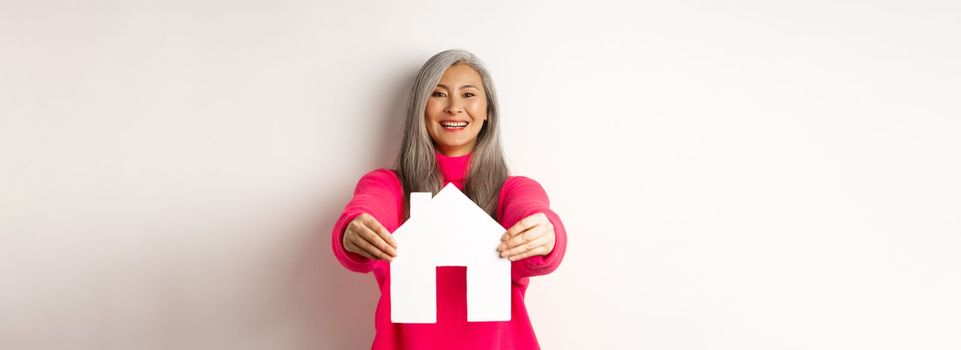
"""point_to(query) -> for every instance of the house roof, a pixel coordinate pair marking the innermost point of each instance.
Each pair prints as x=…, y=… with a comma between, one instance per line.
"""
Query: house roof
x=449, y=227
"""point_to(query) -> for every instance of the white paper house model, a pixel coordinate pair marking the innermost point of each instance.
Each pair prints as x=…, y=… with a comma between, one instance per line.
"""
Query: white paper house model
x=448, y=230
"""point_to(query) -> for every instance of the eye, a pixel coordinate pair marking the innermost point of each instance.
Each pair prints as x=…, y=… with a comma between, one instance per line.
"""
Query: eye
x=469, y=94
x=438, y=94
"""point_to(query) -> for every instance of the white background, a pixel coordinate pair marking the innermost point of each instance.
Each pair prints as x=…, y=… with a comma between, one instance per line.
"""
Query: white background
x=732, y=175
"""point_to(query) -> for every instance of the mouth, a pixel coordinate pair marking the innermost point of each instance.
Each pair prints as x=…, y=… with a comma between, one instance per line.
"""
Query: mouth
x=454, y=125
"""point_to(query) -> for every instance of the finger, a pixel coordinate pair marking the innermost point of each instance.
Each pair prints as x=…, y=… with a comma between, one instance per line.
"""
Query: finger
x=521, y=249
x=521, y=226
x=376, y=240
x=351, y=247
x=515, y=241
x=375, y=225
x=363, y=247
x=363, y=241
x=541, y=246
x=539, y=250
x=526, y=236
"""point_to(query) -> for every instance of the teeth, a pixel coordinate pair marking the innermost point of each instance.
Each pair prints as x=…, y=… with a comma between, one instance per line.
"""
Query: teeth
x=454, y=124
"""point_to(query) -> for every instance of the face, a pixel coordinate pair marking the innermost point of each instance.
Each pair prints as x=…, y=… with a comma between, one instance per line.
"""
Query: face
x=456, y=111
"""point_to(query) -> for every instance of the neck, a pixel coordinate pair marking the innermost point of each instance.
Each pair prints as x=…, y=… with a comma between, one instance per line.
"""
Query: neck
x=457, y=151
x=453, y=168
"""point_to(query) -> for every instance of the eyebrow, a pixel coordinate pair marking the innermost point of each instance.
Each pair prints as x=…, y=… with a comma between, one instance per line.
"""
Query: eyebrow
x=463, y=86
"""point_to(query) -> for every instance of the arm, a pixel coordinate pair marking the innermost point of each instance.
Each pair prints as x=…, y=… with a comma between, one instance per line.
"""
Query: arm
x=376, y=194
x=522, y=197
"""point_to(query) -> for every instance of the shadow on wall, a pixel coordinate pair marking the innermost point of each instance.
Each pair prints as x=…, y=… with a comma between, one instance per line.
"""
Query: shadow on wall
x=340, y=303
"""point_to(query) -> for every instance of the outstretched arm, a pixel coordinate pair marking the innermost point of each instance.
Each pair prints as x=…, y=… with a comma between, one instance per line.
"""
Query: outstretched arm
x=377, y=195
x=536, y=238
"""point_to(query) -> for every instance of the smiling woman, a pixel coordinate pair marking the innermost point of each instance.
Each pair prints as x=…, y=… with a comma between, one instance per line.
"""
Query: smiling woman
x=451, y=135
x=456, y=110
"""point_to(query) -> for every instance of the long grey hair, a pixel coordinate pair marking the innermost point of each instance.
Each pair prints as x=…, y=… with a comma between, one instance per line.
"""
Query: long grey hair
x=416, y=163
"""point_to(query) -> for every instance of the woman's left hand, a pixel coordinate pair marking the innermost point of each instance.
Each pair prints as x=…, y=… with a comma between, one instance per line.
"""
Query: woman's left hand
x=532, y=236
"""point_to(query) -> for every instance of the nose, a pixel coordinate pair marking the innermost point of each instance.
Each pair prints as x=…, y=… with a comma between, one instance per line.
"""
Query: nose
x=454, y=106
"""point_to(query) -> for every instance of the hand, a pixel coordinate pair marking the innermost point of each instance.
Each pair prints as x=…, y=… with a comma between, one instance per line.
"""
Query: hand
x=367, y=237
x=532, y=236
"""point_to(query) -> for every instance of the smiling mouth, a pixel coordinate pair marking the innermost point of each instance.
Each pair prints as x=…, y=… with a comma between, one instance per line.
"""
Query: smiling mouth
x=452, y=125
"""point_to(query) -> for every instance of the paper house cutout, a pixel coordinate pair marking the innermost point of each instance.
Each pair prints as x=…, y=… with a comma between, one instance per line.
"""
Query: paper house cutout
x=448, y=230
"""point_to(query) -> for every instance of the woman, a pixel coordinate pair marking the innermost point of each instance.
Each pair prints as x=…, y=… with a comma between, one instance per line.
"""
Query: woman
x=451, y=134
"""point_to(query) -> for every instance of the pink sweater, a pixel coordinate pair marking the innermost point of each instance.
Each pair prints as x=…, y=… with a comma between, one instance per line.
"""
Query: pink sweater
x=380, y=194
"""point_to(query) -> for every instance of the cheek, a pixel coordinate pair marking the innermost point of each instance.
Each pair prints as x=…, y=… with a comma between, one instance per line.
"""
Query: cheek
x=478, y=109
x=430, y=111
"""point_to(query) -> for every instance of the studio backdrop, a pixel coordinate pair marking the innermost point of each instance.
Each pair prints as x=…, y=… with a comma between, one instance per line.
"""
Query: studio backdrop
x=732, y=175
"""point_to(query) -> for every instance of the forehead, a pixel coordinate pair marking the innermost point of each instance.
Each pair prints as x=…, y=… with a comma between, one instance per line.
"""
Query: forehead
x=460, y=74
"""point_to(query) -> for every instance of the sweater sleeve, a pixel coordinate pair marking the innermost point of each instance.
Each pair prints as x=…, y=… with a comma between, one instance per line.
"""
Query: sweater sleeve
x=522, y=197
x=376, y=194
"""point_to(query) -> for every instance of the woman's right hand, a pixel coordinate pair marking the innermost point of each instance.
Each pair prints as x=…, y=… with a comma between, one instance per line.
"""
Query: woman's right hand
x=367, y=237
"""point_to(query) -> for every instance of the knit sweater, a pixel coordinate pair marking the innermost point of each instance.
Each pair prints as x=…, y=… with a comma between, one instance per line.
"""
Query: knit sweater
x=380, y=194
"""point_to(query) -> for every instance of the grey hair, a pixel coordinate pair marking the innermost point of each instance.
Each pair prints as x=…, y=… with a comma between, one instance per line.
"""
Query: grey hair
x=416, y=162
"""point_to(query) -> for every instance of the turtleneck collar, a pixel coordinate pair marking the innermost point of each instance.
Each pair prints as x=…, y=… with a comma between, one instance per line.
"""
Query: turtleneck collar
x=454, y=169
